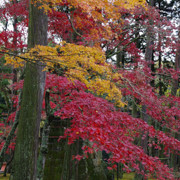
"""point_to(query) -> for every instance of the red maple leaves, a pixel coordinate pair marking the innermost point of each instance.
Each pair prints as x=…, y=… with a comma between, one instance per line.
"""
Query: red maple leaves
x=96, y=120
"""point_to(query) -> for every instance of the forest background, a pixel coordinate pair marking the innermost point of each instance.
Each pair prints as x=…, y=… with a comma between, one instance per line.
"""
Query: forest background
x=92, y=91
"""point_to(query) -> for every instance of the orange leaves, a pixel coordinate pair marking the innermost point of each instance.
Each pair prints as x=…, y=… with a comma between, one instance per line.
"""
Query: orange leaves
x=101, y=11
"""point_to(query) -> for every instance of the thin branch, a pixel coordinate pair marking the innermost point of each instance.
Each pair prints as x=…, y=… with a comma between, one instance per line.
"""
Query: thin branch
x=123, y=48
x=72, y=25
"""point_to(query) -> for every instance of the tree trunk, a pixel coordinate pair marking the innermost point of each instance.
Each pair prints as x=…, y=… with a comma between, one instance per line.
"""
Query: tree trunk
x=26, y=149
x=177, y=67
x=44, y=140
x=59, y=164
x=56, y=151
x=120, y=60
x=149, y=59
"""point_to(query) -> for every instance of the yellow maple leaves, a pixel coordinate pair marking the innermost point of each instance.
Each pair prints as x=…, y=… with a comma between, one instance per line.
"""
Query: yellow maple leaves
x=86, y=64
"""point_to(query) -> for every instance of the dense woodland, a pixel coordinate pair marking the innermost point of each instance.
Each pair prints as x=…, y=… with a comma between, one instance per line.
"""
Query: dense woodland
x=89, y=89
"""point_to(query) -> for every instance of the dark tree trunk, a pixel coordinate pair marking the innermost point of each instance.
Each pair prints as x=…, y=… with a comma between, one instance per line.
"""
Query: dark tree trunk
x=120, y=58
x=177, y=67
x=149, y=60
x=25, y=158
x=44, y=140
x=15, y=46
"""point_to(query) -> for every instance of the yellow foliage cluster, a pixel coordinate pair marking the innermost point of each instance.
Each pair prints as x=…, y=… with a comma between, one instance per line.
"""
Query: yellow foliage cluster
x=15, y=61
x=86, y=64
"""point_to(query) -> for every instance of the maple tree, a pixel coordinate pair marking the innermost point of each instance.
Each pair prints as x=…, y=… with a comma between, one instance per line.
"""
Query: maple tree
x=81, y=59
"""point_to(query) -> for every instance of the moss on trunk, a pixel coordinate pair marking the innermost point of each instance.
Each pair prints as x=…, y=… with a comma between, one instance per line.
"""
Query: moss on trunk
x=25, y=158
x=59, y=163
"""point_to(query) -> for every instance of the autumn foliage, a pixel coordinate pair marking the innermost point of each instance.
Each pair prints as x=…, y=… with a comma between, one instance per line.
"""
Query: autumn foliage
x=87, y=88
